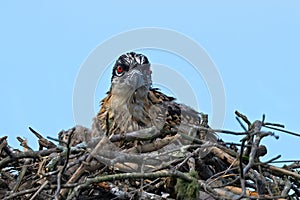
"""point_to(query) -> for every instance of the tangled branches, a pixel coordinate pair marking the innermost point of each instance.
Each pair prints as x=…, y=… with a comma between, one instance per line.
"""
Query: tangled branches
x=85, y=164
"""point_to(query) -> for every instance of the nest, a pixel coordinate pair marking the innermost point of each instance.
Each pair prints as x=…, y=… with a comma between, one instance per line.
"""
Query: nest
x=87, y=164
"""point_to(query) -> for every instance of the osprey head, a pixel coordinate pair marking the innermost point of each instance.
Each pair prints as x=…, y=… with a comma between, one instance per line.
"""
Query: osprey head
x=131, y=74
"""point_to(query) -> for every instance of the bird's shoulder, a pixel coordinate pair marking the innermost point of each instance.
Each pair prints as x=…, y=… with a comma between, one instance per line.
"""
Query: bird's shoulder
x=103, y=112
x=175, y=113
x=156, y=96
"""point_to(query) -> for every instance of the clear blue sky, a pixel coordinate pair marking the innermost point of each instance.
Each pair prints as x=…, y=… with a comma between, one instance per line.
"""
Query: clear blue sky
x=255, y=48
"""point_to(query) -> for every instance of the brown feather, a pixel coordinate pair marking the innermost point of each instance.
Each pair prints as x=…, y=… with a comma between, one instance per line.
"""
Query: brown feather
x=131, y=104
x=159, y=110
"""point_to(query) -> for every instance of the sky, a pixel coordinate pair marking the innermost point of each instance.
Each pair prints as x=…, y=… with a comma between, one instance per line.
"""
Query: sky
x=45, y=45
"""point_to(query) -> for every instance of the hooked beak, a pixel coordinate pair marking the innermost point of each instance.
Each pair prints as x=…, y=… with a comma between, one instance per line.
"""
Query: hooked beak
x=130, y=83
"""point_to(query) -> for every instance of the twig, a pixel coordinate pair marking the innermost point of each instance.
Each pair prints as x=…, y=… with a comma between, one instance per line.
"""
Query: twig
x=20, y=178
x=281, y=171
x=42, y=141
x=243, y=117
x=4, y=147
x=272, y=159
x=61, y=172
x=81, y=168
x=285, y=131
x=241, y=124
x=28, y=154
x=24, y=144
x=39, y=190
x=273, y=124
x=143, y=134
x=242, y=174
x=154, y=175
x=17, y=194
x=285, y=161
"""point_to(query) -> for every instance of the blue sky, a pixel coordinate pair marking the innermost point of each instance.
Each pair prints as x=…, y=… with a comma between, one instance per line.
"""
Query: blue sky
x=255, y=47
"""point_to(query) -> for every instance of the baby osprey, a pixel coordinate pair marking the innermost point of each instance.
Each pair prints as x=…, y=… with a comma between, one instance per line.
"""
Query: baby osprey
x=132, y=104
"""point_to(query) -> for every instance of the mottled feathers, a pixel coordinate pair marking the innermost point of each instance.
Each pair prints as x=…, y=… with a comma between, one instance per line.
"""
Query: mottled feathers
x=132, y=104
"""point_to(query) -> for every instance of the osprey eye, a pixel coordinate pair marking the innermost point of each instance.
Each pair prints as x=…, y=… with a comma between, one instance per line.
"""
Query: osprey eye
x=119, y=71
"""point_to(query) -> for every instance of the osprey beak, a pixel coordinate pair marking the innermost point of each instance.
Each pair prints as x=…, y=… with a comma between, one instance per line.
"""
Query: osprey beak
x=128, y=84
x=136, y=79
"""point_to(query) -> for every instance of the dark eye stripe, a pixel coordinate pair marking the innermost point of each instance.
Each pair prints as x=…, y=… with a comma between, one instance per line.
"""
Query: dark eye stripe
x=131, y=60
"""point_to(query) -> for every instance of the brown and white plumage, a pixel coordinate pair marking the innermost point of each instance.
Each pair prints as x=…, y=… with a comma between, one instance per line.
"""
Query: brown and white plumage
x=132, y=104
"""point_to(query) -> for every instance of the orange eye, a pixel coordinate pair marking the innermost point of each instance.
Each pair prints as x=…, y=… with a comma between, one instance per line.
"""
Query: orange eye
x=119, y=71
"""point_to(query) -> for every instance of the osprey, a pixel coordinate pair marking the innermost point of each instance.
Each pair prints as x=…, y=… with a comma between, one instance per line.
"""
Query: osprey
x=132, y=104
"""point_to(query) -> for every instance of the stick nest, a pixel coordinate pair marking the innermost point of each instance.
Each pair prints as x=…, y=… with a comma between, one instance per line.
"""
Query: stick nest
x=85, y=163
